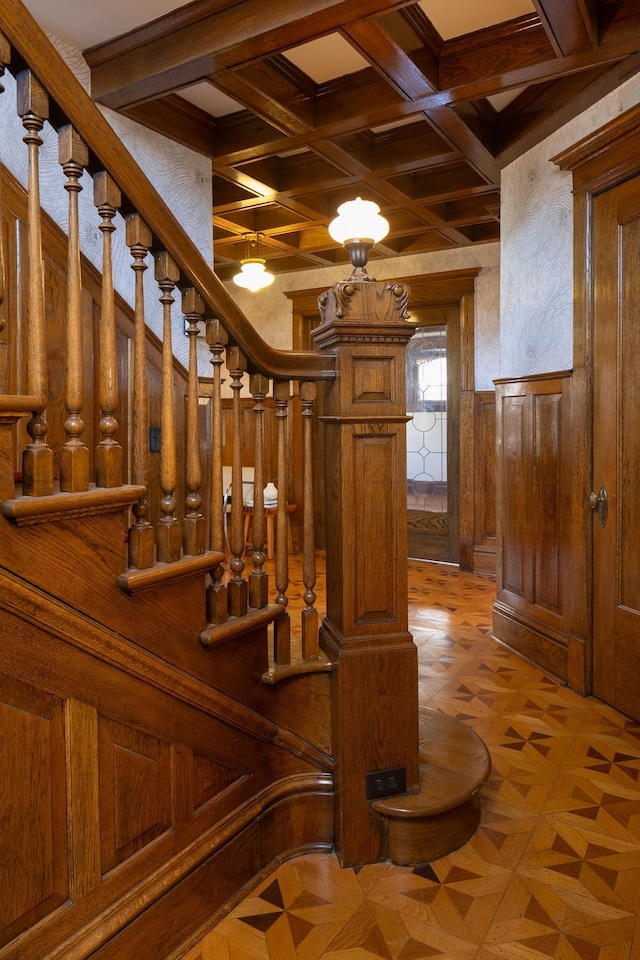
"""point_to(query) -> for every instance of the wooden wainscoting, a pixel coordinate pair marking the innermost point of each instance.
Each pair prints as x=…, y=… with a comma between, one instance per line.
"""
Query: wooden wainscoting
x=534, y=471
x=137, y=799
x=478, y=481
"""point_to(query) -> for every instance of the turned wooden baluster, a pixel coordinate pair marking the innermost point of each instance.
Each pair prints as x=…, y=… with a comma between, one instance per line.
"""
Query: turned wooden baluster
x=37, y=459
x=282, y=626
x=194, y=523
x=108, y=466
x=168, y=529
x=5, y=58
x=237, y=586
x=258, y=578
x=141, y=538
x=73, y=155
x=217, y=600
x=310, y=622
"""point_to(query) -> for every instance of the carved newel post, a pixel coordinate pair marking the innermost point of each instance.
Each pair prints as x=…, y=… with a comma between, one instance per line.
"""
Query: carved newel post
x=365, y=633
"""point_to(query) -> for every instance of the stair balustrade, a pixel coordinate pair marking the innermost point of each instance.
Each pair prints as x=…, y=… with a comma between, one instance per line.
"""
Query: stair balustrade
x=54, y=465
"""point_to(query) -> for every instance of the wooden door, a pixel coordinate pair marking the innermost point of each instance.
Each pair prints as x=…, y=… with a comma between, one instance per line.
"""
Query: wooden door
x=616, y=453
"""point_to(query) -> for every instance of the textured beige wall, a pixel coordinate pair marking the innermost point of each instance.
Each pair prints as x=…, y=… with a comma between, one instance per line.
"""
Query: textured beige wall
x=536, y=217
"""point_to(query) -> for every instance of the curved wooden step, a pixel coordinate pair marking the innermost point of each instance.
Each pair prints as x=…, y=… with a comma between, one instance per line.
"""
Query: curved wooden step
x=444, y=813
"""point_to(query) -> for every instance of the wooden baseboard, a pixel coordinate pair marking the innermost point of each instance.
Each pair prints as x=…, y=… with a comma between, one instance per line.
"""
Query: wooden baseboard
x=301, y=822
x=475, y=559
x=484, y=560
x=532, y=641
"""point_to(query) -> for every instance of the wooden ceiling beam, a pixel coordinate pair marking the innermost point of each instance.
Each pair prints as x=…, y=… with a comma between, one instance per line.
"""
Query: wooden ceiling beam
x=401, y=72
x=461, y=137
x=181, y=121
x=388, y=59
x=267, y=94
x=526, y=123
x=571, y=25
x=139, y=68
x=471, y=69
x=372, y=102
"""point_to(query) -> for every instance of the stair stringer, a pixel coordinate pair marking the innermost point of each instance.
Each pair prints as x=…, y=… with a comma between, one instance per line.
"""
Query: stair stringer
x=77, y=560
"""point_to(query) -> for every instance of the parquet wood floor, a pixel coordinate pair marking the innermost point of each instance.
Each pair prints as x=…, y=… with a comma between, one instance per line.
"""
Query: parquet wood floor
x=554, y=868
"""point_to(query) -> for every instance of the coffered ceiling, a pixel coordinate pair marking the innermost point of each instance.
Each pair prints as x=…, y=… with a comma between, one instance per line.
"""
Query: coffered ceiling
x=302, y=104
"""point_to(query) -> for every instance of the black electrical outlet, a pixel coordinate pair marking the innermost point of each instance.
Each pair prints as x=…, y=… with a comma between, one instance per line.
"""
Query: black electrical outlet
x=154, y=439
x=385, y=783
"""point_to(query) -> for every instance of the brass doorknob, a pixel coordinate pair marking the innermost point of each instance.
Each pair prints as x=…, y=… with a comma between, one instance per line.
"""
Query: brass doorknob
x=601, y=501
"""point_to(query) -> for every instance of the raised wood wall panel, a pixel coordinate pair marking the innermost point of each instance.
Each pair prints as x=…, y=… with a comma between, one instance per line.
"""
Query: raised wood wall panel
x=33, y=833
x=484, y=538
x=532, y=611
x=375, y=583
x=135, y=791
x=467, y=480
x=209, y=778
x=485, y=469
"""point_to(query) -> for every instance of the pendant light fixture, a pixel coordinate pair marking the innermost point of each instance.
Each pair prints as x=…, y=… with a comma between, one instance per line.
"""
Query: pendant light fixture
x=358, y=227
x=253, y=276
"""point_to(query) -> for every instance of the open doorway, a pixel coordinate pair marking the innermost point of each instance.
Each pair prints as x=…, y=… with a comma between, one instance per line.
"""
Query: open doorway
x=433, y=435
x=427, y=443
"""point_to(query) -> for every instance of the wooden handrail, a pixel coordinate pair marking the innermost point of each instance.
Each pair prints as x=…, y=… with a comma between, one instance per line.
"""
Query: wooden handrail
x=29, y=40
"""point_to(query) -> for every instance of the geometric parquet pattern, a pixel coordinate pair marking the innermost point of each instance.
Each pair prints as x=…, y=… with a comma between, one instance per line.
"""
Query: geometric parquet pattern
x=553, y=870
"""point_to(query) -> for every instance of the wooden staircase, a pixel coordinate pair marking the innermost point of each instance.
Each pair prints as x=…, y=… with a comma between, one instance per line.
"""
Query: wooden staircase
x=151, y=772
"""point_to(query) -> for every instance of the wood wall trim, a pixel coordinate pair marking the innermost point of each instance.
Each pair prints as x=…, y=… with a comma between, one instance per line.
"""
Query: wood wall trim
x=553, y=375
x=606, y=156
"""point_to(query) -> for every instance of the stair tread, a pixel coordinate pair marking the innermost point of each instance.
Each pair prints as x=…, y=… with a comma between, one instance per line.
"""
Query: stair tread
x=454, y=764
x=60, y=505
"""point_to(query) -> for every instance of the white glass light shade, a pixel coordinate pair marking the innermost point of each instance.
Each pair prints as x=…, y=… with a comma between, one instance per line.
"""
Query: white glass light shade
x=253, y=275
x=358, y=220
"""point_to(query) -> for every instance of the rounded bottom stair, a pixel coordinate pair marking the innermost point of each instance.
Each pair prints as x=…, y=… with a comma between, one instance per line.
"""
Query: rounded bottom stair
x=445, y=812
